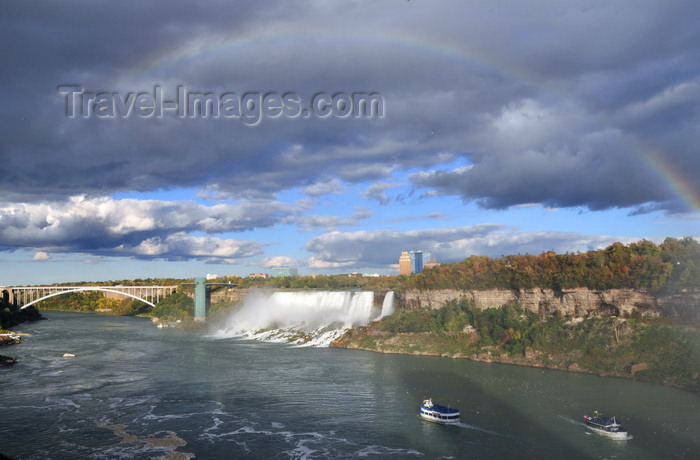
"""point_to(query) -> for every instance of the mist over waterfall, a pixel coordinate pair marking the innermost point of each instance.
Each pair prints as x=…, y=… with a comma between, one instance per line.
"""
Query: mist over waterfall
x=305, y=318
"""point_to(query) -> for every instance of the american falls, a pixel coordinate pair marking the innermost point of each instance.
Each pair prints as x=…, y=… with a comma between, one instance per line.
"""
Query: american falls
x=312, y=318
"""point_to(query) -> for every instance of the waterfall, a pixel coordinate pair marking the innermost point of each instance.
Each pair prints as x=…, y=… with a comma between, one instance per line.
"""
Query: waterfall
x=302, y=317
x=387, y=305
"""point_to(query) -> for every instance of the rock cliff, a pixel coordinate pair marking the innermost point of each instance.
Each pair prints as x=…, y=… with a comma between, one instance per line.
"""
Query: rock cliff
x=571, y=303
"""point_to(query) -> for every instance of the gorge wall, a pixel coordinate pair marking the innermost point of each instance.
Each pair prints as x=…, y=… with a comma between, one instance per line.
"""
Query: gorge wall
x=571, y=303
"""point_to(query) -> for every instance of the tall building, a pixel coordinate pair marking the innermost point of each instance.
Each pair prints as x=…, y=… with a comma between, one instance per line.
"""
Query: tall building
x=404, y=264
x=416, y=258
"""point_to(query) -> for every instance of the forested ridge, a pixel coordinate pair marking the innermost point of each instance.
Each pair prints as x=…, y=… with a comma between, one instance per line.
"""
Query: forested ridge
x=671, y=266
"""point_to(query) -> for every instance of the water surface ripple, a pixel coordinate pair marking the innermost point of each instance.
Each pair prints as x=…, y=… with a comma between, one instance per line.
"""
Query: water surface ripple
x=135, y=391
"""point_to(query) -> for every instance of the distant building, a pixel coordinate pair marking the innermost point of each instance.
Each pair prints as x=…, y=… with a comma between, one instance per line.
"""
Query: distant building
x=284, y=271
x=416, y=258
x=413, y=262
x=404, y=264
x=211, y=276
x=258, y=275
x=431, y=264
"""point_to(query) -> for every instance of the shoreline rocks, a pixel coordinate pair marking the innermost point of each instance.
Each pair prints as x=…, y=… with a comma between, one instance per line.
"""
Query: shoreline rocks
x=10, y=316
x=7, y=361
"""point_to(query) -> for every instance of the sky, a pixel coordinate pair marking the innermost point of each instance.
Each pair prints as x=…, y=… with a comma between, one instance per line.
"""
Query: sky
x=178, y=139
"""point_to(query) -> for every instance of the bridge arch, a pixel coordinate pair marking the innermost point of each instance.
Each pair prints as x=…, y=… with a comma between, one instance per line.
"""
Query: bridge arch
x=103, y=289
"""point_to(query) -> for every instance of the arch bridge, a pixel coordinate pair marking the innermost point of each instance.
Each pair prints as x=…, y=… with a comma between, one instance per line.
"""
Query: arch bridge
x=25, y=296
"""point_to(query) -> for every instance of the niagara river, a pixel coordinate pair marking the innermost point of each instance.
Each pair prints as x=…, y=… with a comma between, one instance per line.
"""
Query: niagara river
x=132, y=390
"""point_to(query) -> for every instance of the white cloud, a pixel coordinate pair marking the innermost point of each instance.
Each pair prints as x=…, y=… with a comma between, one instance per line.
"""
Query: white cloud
x=324, y=187
x=329, y=222
x=142, y=228
x=279, y=261
x=180, y=245
x=377, y=191
x=41, y=255
x=313, y=262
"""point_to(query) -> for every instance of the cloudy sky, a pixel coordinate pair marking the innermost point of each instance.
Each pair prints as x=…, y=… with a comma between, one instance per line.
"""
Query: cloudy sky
x=497, y=128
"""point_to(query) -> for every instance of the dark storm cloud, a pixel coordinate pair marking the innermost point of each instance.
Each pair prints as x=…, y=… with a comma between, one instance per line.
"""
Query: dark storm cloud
x=545, y=102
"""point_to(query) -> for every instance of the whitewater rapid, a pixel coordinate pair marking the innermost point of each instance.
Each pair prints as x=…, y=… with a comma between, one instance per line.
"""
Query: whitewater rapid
x=310, y=318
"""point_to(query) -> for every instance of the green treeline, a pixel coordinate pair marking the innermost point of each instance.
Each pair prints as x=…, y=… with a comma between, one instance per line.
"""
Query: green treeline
x=326, y=282
x=493, y=324
x=134, y=282
x=176, y=306
x=93, y=301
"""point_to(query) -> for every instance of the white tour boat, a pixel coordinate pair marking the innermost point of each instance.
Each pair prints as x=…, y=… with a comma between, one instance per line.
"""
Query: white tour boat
x=438, y=413
x=607, y=426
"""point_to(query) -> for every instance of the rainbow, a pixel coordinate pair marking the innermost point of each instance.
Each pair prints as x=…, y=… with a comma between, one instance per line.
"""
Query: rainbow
x=165, y=60
x=678, y=183
x=213, y=46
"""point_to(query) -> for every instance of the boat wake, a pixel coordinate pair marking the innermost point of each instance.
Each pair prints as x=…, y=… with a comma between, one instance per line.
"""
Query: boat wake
x=465, y=426
x=476, y=428
x=570, y=420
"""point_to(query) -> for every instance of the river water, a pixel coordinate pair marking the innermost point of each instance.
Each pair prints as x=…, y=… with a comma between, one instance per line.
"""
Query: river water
x=135, y=391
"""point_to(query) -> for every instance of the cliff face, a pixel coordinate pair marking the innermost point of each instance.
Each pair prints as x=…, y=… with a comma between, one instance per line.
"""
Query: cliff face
x=227, y=295
x=572, y=303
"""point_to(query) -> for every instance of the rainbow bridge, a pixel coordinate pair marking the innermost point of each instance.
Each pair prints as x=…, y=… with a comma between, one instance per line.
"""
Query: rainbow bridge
x=25, y=296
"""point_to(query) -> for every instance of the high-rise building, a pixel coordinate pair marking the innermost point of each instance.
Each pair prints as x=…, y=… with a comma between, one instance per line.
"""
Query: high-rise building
x=404, y=264
x=416, y=258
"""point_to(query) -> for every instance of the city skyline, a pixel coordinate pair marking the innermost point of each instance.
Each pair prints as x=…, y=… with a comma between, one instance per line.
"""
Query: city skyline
x=176, y=140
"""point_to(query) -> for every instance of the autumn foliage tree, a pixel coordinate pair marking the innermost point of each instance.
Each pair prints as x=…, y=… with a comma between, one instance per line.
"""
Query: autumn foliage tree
x=671, y=266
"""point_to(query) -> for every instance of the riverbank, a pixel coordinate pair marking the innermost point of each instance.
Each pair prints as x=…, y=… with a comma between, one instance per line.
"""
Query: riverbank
x=650, y=352
x=8, y=338
x=10, y=317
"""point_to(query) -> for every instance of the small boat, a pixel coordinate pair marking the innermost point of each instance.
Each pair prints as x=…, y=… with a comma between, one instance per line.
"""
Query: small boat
x=438, y=413
x=607, y=426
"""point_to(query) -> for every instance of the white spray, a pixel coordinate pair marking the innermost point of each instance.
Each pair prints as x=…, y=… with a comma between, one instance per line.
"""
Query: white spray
x=301, y=317
x=387, y=305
